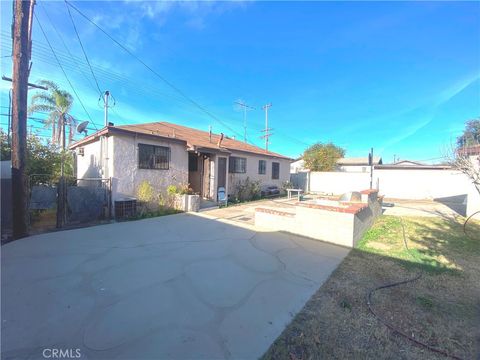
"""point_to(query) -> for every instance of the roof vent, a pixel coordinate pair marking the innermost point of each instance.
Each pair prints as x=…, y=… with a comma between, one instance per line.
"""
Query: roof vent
x=220, y=140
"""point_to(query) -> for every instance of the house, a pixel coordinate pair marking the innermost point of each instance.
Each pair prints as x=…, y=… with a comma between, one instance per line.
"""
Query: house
x=298, y=165
x=166, y=154
x=413, y=165
x=359, y=164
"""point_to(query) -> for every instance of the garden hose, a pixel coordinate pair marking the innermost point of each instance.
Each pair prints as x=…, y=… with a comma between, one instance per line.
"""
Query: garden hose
x=390, y=285
x=466, y=221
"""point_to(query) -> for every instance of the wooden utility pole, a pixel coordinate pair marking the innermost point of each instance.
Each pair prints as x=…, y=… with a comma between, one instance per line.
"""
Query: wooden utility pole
x=22, y=28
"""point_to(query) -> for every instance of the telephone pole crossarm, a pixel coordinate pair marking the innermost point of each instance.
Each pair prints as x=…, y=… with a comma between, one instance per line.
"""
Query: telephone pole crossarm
x=29, y=84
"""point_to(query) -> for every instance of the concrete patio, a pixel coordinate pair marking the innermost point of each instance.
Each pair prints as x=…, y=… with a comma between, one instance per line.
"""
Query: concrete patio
x=177, y=287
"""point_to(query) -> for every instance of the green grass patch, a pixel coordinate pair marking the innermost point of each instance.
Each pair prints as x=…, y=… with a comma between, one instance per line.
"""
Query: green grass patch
x=434, y=244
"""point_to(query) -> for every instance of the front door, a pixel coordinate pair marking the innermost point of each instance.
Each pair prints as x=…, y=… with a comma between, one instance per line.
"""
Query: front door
x=222, y=172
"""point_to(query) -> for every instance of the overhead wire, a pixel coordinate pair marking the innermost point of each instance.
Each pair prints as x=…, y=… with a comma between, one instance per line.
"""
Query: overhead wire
x=83, y=49
x=64, y=73
x=75, y=64
x=65, y=46
x=195, y=103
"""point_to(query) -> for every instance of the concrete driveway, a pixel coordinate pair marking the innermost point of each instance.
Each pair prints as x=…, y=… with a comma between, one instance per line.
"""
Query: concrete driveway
x=182, y=287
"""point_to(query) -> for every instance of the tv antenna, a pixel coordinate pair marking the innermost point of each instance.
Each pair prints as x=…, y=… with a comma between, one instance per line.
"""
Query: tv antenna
x=242, y=105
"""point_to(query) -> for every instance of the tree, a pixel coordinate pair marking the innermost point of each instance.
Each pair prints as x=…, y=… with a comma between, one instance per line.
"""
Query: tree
x=43, y=158
x=6, y=150
x=471, y=134
x=464, y=156
x=58, y=104
x=322, y=157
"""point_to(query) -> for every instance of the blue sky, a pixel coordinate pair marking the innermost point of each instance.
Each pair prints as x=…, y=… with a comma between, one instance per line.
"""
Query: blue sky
x=401, y=77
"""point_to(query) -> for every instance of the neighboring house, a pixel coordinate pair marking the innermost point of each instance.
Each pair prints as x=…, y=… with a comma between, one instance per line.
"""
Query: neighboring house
x=414, y=165
x=359, y=164
x=165, y=154
x=298, y=166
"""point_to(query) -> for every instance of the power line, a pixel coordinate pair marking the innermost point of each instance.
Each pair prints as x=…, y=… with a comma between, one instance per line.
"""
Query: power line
x=152, y=70
x=61, y=67
x=83, y=49
x=64, y=45
x=140, y=88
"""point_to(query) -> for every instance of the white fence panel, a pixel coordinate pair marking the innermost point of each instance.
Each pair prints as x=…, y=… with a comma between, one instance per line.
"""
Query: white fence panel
x=339, y=182
x=421, y=183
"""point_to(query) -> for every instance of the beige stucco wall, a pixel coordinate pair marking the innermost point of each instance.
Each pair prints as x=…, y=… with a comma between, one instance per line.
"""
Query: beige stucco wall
x=93, y=164
x=252, y=171
x=122, y=166
x=127, y=176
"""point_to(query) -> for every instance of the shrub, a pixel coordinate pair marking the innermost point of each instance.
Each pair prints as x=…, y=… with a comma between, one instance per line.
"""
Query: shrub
x=287, y=185
x=146, y=197
x=246, y=190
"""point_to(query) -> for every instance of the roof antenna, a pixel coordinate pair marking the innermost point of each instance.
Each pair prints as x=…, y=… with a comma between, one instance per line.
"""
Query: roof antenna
x=210, y=133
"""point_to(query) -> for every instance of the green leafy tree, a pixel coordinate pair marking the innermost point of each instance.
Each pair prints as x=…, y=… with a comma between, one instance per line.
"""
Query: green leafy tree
x=471, y=134
x=43, y=158
x=322, y=157
x=57, y=103
x=4, y=146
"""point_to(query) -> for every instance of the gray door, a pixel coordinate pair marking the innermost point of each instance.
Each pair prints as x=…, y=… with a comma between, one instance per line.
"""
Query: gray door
x=222, y=172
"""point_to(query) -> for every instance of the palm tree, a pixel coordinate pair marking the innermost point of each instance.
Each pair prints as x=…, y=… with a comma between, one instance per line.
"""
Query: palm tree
x=57, y=103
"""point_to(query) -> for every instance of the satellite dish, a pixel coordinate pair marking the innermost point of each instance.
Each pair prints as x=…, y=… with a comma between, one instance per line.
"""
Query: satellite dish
x=82, y=127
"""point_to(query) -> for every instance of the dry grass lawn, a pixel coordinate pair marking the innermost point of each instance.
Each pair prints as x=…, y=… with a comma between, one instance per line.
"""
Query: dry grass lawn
x=442, y=308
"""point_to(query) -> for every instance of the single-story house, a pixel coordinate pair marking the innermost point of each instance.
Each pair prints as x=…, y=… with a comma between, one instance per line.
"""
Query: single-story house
x=166, y=154
x=358, y=164
x=414, y=165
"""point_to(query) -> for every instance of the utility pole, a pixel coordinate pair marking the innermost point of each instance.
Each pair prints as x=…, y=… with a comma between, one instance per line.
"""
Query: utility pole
x=245, y=108
x=22, y=46
x=267, y=130
x=370, y=162
x=105, y=99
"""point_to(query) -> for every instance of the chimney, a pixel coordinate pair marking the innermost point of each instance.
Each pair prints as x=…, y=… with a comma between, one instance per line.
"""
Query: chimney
x=220, y=140
x=210, y=133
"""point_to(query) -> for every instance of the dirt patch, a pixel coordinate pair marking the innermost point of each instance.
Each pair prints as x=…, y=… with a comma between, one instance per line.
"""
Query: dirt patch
x=442, y=308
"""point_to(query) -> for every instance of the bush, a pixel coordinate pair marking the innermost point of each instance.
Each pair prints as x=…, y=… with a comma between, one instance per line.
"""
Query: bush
x=246, y=190
x=287, y=185
x=146, y=197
